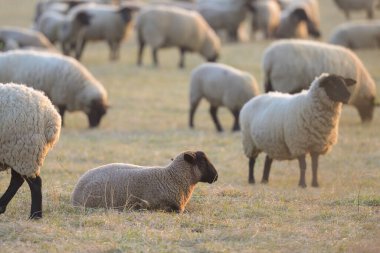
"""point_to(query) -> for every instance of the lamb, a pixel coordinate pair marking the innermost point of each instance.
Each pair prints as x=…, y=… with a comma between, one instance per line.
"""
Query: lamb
x=357, y=35
x=68, y=84
x=221, y=85
x=17, y=37
x=163, y=26
x=30, y=126
x=307, y=59
x=224, y=15
x=120, y=185
x=287, y=127
x=266, y=17
x=355, y=5
x=107, y=22
x=299, y=20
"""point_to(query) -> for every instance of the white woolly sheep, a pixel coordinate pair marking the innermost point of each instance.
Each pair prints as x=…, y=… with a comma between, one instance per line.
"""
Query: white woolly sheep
x=357, y=5
x=224, y=14
x=357, y=35
x=163, y=26
x=17, y=37
x=221, y=85
x=49, y=24
x=106, y=22
x=299, y=20
x=62, y=7
x=266, y=17
x=120, y=185
x=30, y=126
x=68, y=84
x=291, y=65
x=287, y=127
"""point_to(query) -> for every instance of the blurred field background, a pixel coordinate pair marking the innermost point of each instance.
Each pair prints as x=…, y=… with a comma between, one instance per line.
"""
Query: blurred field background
x=147, y=125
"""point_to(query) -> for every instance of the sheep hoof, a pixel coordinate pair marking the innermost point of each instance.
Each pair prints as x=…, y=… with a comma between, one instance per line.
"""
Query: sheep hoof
x=264, y=181
x=302, y=185
x=251, y=181
x=2, y=209
x=315, y=184
x=35, y=216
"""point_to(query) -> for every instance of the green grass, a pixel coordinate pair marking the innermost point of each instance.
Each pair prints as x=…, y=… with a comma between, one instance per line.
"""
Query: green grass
x=147, y=125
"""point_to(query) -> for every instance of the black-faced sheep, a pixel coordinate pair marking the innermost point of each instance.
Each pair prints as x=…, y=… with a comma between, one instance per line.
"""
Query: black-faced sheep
x=357, y=5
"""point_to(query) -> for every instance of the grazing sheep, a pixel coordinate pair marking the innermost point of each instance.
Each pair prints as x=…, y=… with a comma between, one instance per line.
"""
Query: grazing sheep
x=299, y=20
x=357, y=5
x=291, y=65
x=120, y=185
x=266, y=17
x=106, y=22
x=68, y=84
x=163, y=26
x=221, y=85
x=17, y=37
x=30, y=126
x=224, y=14
x=287, y=127
x=357, y=35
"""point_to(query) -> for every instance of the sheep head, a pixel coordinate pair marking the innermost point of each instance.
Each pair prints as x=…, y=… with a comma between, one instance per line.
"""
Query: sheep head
x=336, y=87
x=203, y=164
x=97, y=110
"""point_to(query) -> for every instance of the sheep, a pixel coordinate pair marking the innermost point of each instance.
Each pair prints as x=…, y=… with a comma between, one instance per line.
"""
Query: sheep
x=287, y=127
x=162, y=26
x=299, y=20
x=60, y=7
x=17, y=37
x=30, y=127
x=224, y=14
x=68, y=84
x=357, y=35
x=106, y=22
x=266, y=17
x=354, y=5
x=120, y=185
x=49, y=24
x=290, y=65
x=221, y=85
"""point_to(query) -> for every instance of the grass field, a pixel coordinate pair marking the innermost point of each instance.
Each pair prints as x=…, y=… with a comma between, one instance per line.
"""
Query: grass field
x=147, y=125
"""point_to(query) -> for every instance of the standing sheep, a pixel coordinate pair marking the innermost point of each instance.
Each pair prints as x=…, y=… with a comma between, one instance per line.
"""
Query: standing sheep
x=287, y=127
x=266, y=17
x=30, y=126
x=17, y=37
x=68, y=84
x=221, y=85
x=357, y=5
x=357, y=35
x=120, y=185
x=291, y=65
x=106, y=22
x=163, y=26
x=299, y=20
x=224, y=14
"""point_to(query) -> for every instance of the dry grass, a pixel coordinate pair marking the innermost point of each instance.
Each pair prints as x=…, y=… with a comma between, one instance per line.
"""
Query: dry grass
x=147, y=125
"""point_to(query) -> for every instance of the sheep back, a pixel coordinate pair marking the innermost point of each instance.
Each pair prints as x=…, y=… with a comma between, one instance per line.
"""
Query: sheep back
x=30, y=126
x=291, y=65
x=25, y=37
x=222, y=85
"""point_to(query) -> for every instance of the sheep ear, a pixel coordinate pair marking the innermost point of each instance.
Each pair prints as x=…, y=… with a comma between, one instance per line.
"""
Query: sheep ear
x=349, y=81
x=300, y=14
x=84, y=18
x=189, y=157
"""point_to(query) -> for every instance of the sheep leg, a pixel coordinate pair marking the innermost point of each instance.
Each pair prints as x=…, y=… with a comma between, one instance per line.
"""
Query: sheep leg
x=62, y=109
x=114, y=50
x=251, y=165
x=35, y=185
x=140, y=53
x=14, y=185
x=182, y=52
x=314, y=166
x=236, y=126
x=79, y=49
x=370, y=13
x=193, y=108
x=302, y=164
x=155, y=58
x=213, y=112
x=267, y=166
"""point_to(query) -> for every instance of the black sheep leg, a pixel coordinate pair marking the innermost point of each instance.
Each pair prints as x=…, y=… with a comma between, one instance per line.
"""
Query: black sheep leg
x=79, y=49
x=155, y=57
x=267, y=166
x=62, y=109
x=213, y=112
x=14, y=185
x=236, y=126
x=302, y=164
x=182, y=58
x=140, y=53
x=35, y=185
x=314, y=167
x=251, y=165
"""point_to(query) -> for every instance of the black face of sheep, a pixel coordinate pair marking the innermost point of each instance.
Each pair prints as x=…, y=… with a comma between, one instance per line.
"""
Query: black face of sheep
x=208, y=171
x=213, y=59
x=98, y=109
x=336, y=87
